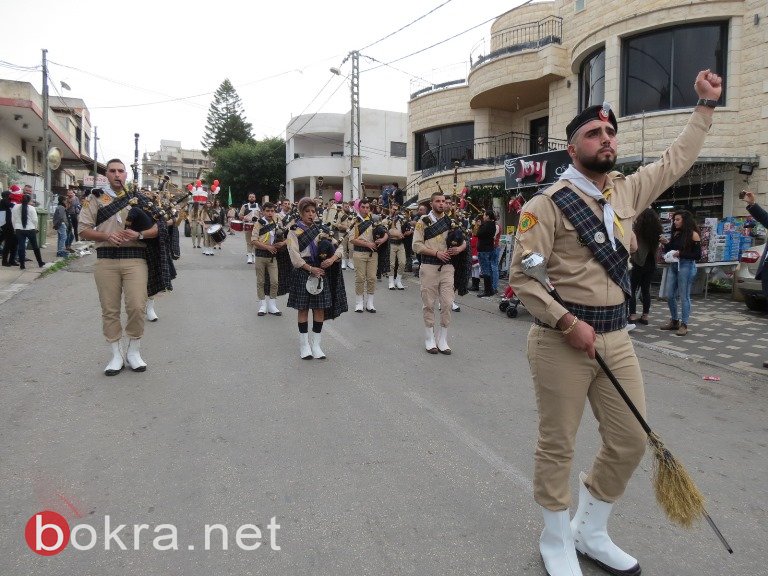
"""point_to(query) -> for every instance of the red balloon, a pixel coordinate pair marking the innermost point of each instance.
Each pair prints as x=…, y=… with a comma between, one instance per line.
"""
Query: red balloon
x=215, y=183
x=198, y=183
x=189, y=187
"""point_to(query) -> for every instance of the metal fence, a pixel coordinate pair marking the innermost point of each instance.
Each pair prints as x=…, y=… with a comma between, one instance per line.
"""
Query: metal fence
x=530, y=36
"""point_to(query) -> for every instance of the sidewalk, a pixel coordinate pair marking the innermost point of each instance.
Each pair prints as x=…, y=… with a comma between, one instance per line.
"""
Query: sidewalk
x=13, y=280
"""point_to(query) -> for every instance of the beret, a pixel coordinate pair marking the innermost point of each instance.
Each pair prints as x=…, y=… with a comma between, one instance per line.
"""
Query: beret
x=603, y=113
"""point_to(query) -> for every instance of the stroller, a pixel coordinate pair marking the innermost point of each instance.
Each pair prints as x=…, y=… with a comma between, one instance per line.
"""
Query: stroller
x=509, y=302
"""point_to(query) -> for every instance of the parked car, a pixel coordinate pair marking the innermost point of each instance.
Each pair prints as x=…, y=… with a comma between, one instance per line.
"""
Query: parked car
x=751, y=289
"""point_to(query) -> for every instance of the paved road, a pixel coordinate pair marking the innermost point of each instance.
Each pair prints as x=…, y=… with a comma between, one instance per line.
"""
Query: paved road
x=380, y=460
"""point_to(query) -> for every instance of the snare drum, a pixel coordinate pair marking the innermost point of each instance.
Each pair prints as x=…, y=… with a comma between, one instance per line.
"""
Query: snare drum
x=217, y=234
x=236, y=225
x=248, y=226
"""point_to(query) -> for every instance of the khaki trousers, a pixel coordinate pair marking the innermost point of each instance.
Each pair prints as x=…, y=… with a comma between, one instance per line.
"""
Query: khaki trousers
x=266, y=265
x=436, y=285
x=396, y=251
x=365, y=271
x=564, y=379
x=249, y=249
x=345, y=247
x=116, y=279
x=197, y=233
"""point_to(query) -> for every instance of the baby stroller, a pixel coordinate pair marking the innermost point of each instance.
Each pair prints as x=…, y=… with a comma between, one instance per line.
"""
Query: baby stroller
x=509, y=302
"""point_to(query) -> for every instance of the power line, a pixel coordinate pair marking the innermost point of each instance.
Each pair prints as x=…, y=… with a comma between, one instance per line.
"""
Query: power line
x=406, y=26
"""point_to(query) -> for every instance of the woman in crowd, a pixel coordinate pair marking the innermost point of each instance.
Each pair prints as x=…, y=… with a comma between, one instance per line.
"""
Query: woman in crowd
x=683, y=250
x=24, y=219
x=647, y=230
x=313, y=257
x=60, y=218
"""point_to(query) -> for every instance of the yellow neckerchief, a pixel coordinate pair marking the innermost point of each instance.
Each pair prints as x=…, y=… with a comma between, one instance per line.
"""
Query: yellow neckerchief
x=265, y=238
x=607, y=195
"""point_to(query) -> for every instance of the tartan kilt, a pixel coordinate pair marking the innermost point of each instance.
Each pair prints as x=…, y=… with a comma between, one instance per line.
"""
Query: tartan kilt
x=382, y=266
x=284, y=272
x=299, y=298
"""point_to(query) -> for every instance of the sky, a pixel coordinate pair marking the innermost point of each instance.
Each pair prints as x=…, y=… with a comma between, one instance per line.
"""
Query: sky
x=152, y=67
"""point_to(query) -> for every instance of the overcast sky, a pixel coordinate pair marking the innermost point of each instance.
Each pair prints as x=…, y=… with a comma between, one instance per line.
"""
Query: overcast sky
x=152, y=66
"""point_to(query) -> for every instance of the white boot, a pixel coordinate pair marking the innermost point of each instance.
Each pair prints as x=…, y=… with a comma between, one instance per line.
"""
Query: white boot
x=250, y=258
x=399, y=282
x=116, y=364
x=391, y=282
x=304, y=350
x=590, y=533
x=263, y=308
x=133, y=356
x=369, y=304
x=151, y=315
x=441, y=335
x=343, y=263
x=556, y=545
x=358, y=303
x=272, y=307
x=350, y=264
x=316, y=351
x=455, y=307
x=429, y=340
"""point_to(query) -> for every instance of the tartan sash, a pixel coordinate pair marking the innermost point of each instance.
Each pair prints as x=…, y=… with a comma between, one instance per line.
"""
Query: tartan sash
x=105, y=212
x=363, y=226
x=588, y=226
x=436, y=228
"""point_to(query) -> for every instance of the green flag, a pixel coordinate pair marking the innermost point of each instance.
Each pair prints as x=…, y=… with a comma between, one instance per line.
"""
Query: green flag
x=229, y=200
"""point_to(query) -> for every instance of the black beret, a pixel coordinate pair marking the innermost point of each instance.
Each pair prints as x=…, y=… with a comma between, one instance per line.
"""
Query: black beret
x=603, y=113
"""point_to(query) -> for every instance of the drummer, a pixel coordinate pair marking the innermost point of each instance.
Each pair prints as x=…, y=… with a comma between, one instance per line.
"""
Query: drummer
x=249, y=212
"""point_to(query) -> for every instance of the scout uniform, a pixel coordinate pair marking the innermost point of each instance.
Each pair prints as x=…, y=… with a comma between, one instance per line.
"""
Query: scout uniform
x=564, y=377
x=366, y=262
x=345, y=222
x=248, y=213
x=429, y=237
x=118, y=270
x=266, y=263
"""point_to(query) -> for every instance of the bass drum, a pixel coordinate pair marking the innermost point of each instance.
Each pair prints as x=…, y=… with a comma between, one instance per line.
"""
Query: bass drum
x=236, y=225
x=217, y=234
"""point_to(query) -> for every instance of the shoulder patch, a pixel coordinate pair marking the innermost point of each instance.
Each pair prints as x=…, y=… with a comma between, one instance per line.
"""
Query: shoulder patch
x=527, y=221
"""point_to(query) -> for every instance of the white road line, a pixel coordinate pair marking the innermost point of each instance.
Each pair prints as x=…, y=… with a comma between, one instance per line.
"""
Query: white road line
x=336, y=335
x=475, y=444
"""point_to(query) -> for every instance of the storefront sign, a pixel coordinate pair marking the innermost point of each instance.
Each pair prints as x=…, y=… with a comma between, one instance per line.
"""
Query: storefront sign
x=536, y=169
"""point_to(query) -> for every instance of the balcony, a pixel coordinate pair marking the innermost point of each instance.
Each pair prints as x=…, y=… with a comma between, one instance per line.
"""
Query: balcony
x=530, y=36
x=489, y=151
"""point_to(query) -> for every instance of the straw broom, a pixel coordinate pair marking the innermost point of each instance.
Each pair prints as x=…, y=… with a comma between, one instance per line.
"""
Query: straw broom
x=675, y=490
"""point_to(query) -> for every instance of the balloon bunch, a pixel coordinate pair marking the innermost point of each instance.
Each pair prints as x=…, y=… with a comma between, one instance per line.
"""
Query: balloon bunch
x=215, y=187
x=199, y=194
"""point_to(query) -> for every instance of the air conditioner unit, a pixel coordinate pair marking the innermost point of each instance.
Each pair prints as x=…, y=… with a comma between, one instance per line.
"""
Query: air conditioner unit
x=21, y=163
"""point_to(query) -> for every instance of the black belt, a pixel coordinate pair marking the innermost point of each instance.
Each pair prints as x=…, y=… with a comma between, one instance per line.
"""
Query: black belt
x=395, y=242
x=264, y=254
x=362, y=249
x=121, y=253
x=432, y=260
x=601, y=318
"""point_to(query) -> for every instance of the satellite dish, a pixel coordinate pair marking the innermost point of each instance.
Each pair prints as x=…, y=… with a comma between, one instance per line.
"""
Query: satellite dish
x=54, y=158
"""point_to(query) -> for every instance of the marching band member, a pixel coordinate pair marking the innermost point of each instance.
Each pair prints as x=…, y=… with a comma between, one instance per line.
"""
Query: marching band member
x=249, y=212
x=331, y=214
x=313, y=258
x=396, y=247
x=264, y=240
x=366, y=257
x=346, y=221
x=436, y=272
x=195, y=217
x=121, y=266
x=208, y=215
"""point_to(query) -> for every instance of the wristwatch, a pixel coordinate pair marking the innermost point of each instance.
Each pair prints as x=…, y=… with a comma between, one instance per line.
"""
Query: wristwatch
x=707, y=103
x=141, y=236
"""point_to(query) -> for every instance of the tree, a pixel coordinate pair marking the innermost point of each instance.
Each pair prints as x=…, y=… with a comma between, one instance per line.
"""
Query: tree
x=245, y=167
x=226, y=120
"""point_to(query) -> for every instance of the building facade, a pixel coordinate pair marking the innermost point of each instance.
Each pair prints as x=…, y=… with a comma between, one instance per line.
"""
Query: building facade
x=318, y=161
x=546, y=61
x=181, y=165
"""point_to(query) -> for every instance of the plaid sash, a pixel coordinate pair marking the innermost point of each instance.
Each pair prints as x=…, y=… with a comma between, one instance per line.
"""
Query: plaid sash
x=266, y=228
x=363, y=226
x=104, y=213
x=588, y=226
x=436, y=228
x=306, y=240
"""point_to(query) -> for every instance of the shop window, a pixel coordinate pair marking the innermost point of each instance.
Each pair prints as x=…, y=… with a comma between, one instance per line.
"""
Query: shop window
x=658, y=68
x=592, y=80
x=397, y=149
x=438, y=148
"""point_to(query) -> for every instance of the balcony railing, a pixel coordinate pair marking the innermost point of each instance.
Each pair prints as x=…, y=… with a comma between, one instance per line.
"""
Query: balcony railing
x=530, y=36
x=487, y=151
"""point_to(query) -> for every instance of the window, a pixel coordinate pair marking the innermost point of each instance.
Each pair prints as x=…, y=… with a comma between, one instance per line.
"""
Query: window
x=438, y=148
x=592, y=80
x=659, y=67
x=23, y=145
x=579, y=5
x=397, y=149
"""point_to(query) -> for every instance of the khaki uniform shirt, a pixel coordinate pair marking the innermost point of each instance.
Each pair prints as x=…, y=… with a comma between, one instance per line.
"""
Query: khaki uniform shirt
x=114, y=224
x=297, y=256
x=396, y=229
x=268, y=238
x=331, y=215
x=436, y=244
x=575, y=273
x=368, y=234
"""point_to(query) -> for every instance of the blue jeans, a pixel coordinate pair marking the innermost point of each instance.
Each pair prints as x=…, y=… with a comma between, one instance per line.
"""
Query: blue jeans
x=22, y=236
x=485, y=259
x=679, y=282
x=495, y=268
x=62, y=240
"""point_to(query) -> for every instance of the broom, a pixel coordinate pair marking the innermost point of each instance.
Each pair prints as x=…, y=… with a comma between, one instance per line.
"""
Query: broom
x=676, y=491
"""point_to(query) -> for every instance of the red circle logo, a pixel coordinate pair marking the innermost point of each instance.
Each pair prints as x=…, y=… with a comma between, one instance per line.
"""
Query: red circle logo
x=47, y=533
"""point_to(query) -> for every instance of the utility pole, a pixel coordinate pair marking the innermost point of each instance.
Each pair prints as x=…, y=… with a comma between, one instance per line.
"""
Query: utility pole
x=136, y=162
x=46, y=133
x=95, y=154
x=356, y=168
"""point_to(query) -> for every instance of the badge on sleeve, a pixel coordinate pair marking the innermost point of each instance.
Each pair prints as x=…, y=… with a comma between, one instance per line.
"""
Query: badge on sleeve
x=527, y=221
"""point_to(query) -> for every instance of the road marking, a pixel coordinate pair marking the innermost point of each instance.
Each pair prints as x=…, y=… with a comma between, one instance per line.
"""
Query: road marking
x=336, y=335
x=475, y=444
